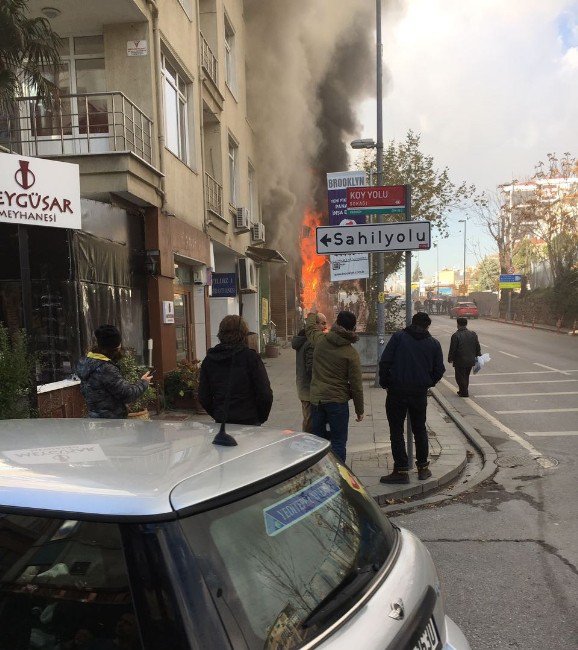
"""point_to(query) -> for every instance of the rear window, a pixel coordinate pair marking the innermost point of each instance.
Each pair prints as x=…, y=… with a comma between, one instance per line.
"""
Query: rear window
x=284, y=563
x=465, y=304
x=63, y=584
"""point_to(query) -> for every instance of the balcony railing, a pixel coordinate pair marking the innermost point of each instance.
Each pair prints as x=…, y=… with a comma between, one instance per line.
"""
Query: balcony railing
x=209, y=61
x=79, y=124
x=214, y=195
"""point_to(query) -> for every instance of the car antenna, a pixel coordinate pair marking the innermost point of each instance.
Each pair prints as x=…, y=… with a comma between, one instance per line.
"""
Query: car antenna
x=223, y=438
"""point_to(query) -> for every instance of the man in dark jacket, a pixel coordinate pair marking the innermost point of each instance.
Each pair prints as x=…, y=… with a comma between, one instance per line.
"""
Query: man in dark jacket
x=411, y=363
x=303, y=370
x=105, y=390
x=464, y=348
x=233, y=385
x=335, y=380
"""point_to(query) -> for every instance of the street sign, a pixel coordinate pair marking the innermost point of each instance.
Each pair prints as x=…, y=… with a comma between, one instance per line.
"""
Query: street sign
x=374, y=237
x=386, y=199
x=337, y=184
x=510, y=281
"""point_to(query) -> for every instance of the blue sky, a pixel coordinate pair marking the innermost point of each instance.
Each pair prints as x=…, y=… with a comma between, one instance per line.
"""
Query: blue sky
x=491, y=86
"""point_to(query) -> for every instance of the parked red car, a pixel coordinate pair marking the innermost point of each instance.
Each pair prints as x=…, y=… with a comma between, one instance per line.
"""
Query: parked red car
x=465, y=309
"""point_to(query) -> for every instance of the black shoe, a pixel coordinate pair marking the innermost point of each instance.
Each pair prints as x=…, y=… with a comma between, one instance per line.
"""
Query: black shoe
x=396, y=477
x=463, y=394
x=423, y=473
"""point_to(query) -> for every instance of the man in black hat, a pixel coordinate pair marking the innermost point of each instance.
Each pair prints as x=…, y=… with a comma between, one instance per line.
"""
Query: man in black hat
x=105, y=390
x=411, y=363
x=464, y=348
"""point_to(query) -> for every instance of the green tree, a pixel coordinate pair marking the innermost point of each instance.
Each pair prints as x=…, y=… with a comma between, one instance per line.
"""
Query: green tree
x=28, y=49
x=487, y=274
x=417, y=275
x=16, y=371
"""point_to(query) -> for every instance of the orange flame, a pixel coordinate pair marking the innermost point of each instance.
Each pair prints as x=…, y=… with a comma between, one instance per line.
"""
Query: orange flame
x=312, y=265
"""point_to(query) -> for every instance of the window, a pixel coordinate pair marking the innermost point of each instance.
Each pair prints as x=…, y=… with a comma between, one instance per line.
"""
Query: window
x=230, y=55
x=233, y=171
x=175, y=90
x=253, y=214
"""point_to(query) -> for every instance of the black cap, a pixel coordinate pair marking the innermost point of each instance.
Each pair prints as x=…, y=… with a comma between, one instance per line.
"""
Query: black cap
x=108, y=337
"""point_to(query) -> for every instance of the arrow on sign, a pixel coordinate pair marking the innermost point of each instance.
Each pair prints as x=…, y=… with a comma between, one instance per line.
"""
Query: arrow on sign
x=325, y=240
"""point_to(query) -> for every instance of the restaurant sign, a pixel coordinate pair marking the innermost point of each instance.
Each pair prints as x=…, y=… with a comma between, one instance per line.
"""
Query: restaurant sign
x=39, y=192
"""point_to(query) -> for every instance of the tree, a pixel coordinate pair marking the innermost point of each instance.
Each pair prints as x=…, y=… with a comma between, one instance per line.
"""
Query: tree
x=417, y=275
x=28, y=49
x=487, y=274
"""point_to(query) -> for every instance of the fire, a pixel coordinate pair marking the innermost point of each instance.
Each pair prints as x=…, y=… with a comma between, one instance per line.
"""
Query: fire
x=312, y=265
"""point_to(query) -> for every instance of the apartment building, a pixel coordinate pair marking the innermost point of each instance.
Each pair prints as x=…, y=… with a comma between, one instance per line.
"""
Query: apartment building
x=152, y=109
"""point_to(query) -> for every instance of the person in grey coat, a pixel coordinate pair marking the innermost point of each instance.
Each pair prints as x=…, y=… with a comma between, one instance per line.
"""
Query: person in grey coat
x=303, y=370
x=464, y=348
x=105, y=390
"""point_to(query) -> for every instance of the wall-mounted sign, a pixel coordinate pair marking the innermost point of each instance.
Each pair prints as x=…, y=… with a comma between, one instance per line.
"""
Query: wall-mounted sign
x=337, y=184
x=168, y=311
x=136, y=48
x=224, y=285
x=39, y=192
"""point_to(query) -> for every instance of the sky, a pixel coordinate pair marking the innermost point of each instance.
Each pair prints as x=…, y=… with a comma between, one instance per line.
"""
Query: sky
x=491, y=86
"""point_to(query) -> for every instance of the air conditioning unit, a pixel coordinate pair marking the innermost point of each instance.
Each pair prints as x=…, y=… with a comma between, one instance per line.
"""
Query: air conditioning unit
x=247, y=275
x=257, y=233
x=242, y=222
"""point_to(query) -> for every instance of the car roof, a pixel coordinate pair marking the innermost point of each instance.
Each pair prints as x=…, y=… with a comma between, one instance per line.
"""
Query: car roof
x=465, y=304
x=116, y=469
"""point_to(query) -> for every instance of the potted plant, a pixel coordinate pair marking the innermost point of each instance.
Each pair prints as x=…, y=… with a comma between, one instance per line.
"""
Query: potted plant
x=132, y=371
x=182, y=386
x=272, y=347
x=16, y=375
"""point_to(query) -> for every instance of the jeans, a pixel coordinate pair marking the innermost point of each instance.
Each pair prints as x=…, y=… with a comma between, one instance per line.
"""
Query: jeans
x=463, y=379
x=397, y=405
x=337, y=416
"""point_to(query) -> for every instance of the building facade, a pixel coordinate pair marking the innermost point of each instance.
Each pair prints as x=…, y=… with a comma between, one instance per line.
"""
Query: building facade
x=152, y=109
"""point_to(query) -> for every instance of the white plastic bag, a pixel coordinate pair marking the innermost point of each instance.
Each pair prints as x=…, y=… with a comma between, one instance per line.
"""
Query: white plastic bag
x=481, y=362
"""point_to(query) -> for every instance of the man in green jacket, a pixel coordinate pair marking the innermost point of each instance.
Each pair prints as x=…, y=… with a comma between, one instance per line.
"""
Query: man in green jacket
x=336, y=378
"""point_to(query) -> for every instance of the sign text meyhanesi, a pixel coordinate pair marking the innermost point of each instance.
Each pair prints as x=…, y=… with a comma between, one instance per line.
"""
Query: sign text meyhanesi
x=39, y=192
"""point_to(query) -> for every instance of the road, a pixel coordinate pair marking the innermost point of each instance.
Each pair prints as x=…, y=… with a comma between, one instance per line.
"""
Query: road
x=507, y=551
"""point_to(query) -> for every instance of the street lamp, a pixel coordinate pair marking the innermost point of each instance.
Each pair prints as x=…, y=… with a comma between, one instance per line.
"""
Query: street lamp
x=437, y=247
x=465, y=222
x=364, y=143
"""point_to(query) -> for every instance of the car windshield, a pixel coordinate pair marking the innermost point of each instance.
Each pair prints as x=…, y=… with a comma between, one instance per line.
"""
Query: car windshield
x=63, y=584
x=287, y=561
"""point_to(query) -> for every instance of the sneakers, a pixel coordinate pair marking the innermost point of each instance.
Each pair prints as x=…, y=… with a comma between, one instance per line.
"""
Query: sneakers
x=423, y=473
x=396, y=477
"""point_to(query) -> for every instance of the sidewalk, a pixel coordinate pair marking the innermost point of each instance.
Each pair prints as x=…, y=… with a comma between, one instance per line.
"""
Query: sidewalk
x=537, y=326
x=369, y=449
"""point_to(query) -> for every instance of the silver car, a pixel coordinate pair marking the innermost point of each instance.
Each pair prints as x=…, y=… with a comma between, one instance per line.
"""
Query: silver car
x=134, y=534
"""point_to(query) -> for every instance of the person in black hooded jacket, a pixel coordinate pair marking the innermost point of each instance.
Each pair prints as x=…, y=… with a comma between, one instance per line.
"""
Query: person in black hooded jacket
x=105, y=390
x=411, y=363
x=234, y=386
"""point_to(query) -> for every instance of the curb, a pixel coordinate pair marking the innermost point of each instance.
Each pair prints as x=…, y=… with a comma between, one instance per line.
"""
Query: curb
x=488, y=453
x=542, y=328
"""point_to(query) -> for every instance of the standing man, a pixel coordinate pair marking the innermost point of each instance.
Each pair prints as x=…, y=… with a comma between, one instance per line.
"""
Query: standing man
x=464, y=348
x=303, y=369
x=336, y=379
x=411, y=363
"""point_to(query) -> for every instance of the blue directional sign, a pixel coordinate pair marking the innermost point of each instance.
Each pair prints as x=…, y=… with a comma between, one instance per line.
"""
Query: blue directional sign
x=510, y=281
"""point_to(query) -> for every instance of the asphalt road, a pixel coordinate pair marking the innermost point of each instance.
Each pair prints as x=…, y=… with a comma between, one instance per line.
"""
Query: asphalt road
x=507, y=551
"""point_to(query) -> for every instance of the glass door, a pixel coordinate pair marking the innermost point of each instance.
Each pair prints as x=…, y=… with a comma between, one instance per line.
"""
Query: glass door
x=183, y=326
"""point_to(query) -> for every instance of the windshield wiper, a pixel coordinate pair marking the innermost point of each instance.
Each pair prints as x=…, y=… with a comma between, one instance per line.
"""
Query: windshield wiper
x=338, y=597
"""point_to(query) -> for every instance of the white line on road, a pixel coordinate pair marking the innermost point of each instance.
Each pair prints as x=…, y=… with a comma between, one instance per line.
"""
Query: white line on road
x=511, y=434
x=570, y=392
x=484, y=345
x=512, y=383
x=538, y=411
x=508, y=354
x=564, y=372
x=537, y=434
x=525, y=372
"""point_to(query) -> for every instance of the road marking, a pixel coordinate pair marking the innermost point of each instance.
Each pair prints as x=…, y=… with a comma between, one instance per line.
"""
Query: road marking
x=539, y=411
x=508, y=354
x=511, y=434
x=511, y=383
x=526, y=372
x=529, y=394
x=564, y=372
x=536, y=434
x=484, y=345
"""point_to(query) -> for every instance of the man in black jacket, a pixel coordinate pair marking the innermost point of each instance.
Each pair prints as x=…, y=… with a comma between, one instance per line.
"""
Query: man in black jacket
x=464, y=348
x=411, y=363
x=233, y=384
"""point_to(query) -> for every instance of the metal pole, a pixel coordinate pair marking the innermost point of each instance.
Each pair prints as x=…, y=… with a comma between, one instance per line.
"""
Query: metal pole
x=465, y=226
x=408, y=312
x=380, y=271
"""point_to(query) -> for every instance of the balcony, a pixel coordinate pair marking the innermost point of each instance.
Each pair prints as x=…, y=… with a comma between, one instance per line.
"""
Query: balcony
x=106, y=134
x=214, y=196
x=209, y=61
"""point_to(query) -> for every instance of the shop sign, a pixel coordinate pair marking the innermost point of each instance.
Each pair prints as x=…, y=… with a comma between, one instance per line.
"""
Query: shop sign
x=224, y=285
x=168, y=311
x=39, y=192
x=264, y=311
x=337, y=184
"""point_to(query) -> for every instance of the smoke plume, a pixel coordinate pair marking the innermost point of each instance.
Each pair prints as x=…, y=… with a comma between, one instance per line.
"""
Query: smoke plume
x=309, y=63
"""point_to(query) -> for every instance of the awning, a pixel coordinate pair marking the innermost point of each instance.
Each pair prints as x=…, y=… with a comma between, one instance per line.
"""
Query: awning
x=265, y=255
